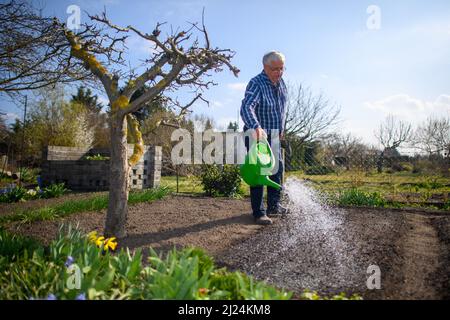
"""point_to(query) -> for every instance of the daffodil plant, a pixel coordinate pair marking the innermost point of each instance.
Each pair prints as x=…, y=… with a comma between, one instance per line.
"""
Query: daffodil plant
x=102, y=242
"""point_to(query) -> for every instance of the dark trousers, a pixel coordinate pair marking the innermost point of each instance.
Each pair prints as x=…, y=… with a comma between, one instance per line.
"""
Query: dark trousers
x=273, y=195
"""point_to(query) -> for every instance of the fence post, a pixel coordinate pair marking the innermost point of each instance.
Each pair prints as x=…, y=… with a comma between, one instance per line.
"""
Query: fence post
x=283, y=153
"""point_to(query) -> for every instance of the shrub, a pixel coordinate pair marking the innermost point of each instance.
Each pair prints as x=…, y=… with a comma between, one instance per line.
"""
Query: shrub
x=13, y=246
x=356, y=197
x=98, y=157
x=218, y=181
x=28, y=175
x=53, y=191
x=15, y=194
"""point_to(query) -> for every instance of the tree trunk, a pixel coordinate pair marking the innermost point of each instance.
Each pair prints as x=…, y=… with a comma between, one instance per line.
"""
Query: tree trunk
x=116, y=216
x=380, y=163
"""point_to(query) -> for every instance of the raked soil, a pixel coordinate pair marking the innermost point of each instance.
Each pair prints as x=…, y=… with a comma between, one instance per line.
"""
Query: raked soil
x=329, y=253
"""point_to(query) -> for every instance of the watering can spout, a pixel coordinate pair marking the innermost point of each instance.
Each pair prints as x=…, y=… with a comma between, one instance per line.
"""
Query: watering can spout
x=266, y=181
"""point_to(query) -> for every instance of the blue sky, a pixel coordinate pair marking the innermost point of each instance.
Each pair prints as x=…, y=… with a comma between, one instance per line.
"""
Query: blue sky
x=403, y=68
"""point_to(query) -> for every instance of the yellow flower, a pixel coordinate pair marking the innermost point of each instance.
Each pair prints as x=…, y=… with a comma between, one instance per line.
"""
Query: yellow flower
x=92, y=236
x=99, y=241
x=110, y=243
x=203, y=291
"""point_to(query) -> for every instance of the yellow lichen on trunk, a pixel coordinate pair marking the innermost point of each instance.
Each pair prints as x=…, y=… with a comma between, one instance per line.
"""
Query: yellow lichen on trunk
x=120, y=103
x=78, y=52
x=138, y=149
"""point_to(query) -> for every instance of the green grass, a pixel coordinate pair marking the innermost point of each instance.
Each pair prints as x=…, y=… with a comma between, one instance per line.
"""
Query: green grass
x=386, y=186
x=355, y=197
x=386, y=190
x=189, y=184
x=75, y=206
x=192, y=185
x=400, y=182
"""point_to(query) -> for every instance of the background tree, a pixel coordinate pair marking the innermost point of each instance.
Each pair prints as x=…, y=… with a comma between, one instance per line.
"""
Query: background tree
x=433, y=136
x=346, y=150
x=309, y=117
x=33, y=53
x=52, y=121
x=391, y=134
x=97, y=120
x=90, y=101
x=4, y=138
x=234, y=126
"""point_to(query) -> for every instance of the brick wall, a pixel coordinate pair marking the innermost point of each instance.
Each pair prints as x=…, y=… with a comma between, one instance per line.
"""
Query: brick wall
x=68, y=165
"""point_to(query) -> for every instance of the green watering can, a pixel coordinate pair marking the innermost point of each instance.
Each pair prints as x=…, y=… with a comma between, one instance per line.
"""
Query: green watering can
x=258, y=166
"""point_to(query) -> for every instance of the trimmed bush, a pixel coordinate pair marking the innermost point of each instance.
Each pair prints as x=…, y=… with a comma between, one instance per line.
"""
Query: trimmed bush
x=217, y=181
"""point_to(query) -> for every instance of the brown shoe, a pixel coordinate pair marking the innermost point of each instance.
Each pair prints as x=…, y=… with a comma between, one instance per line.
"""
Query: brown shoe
x=263, y=220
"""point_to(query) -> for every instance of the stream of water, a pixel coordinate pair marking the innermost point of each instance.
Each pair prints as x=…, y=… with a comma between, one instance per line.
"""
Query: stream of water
x=313, y=231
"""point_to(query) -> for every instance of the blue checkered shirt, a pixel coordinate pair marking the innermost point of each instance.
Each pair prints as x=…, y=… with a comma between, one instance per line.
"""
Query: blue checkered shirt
x=264, y=104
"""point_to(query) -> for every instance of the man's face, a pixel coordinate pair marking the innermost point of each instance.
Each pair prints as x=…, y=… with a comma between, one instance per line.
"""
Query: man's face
x=274, y=70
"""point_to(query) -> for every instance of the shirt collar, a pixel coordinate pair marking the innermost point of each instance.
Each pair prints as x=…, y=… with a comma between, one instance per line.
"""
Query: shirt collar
x=266, y=78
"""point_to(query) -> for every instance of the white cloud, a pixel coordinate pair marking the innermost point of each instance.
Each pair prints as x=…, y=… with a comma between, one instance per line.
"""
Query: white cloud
x=410, y=108
x=432, y=28
x=238, y=86
x=217, y=104
x=140, y=45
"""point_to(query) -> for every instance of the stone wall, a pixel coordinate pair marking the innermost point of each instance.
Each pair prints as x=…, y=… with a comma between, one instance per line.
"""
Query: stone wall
x=68, y=165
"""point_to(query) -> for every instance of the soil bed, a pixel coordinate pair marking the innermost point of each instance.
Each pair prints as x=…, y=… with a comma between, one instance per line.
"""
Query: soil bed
x=411, y=247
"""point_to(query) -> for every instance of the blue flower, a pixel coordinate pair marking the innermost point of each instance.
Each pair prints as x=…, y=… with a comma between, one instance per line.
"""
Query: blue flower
x=51, y=296
x=81, y=296
x=69, y=261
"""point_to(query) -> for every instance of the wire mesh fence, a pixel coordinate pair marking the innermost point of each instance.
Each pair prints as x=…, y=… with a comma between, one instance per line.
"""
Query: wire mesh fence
x=399, y=178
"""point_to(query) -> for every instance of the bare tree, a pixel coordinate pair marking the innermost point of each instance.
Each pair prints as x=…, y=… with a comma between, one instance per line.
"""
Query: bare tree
x=391, y=134
x=308, y=116
x=33, y=54
x=342, y=148
x=433, y=136
x=176, y=61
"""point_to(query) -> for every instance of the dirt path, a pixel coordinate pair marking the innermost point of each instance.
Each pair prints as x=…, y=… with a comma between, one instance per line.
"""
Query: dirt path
x=412, y=256
x=421, y=252
x=327, y=251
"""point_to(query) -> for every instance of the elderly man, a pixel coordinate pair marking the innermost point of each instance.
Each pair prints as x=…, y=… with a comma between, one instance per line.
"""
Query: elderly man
x=263, y=110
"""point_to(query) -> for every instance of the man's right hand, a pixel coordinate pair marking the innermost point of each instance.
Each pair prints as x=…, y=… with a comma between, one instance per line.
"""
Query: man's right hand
x=260, y=134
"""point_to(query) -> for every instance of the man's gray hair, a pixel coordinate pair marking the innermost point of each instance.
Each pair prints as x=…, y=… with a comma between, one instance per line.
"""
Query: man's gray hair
x=273, y=56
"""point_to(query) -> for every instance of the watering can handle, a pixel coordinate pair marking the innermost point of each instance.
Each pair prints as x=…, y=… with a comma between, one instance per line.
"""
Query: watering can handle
x=272, y=157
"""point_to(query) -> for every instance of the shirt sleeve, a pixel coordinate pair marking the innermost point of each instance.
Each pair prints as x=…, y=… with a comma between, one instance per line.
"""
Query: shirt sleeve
x=249, y=103
x=283, y=107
